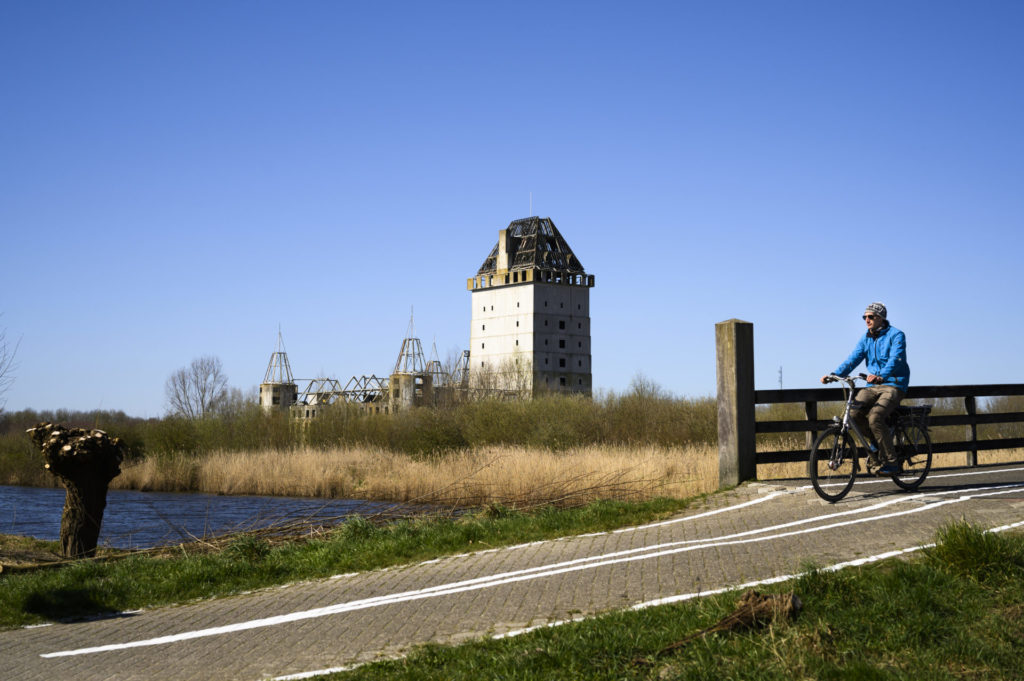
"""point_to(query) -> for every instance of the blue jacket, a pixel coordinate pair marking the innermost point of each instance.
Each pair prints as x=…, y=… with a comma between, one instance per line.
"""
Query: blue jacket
x=886, y=356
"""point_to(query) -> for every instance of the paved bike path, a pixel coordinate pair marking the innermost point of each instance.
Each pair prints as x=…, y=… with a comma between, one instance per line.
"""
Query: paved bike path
x=754, y=533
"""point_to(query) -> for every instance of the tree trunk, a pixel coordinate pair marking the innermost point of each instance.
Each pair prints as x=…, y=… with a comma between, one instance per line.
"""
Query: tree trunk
x=83, y=515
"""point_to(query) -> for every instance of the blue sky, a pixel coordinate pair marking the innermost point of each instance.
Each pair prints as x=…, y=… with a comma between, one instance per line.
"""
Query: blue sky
x=180, y=178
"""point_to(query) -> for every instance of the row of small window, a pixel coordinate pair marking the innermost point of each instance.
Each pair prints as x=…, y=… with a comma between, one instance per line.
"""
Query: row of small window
x=561, y=381
x=551, y=277
x=561, y=363
x=561, y=345
x=561, y=324
x=579, y=306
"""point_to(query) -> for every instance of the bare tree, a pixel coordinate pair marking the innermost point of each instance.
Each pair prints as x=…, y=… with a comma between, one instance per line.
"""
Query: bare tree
x=516, y=374
x=7, y=353
x=196, y=391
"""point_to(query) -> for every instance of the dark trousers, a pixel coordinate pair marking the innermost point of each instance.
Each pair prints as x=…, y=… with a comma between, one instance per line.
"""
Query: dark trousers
x=875, y=403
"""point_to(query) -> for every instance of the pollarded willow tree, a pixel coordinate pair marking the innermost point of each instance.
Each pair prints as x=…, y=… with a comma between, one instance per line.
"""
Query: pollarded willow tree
x=85, y=461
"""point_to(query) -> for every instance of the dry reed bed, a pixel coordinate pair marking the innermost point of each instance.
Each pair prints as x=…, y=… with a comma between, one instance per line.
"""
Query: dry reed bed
x=512, y=476
x=518, y=477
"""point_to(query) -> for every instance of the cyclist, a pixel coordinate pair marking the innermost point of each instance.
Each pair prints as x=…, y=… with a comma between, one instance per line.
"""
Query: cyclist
x=884, y=349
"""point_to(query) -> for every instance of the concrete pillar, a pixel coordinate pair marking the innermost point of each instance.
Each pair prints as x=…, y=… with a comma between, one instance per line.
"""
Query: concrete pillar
x=502, y=263
x=734, y=354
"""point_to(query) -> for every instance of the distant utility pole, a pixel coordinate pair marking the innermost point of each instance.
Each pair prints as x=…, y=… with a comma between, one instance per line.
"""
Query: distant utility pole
x=780, y=378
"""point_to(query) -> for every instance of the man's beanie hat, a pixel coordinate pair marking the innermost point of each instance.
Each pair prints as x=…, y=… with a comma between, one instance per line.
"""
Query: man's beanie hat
x=876, y=309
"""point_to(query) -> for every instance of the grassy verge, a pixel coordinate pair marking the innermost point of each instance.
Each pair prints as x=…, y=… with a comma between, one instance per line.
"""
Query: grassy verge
x=956, y=612
x=92, y=587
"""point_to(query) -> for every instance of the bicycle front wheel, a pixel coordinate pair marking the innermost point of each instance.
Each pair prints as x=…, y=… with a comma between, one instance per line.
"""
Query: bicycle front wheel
x=833, y=465
x=914, y=451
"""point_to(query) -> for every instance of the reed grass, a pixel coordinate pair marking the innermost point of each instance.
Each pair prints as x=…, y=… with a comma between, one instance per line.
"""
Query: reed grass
x=512, y=476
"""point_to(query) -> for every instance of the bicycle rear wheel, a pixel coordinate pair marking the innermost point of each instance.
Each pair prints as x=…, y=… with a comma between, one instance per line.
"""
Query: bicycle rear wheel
x=914, y=450
x=832, y=467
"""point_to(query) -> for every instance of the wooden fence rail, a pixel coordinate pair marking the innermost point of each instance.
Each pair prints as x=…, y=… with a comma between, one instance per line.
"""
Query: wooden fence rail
x=738, y=426
x=971, y=419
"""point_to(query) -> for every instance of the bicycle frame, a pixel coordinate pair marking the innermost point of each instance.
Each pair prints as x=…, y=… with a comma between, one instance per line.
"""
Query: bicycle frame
x=847, y=423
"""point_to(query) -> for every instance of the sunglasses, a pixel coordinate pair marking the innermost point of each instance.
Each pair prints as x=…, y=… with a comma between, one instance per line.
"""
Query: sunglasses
x=869, y=316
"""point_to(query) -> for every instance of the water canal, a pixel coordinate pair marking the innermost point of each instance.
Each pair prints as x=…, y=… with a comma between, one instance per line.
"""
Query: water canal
x=144, y=519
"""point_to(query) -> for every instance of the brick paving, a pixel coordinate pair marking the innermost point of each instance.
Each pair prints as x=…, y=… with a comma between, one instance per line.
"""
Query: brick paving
x=355, y=618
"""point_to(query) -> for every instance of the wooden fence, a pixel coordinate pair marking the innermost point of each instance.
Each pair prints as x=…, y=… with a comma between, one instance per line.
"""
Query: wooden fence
x=737, y=413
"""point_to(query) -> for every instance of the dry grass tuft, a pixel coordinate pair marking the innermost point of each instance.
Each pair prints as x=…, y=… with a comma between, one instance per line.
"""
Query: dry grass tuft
x=513, y=476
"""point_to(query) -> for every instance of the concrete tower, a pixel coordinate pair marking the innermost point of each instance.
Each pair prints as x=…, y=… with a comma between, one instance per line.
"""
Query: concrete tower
x=278, y=391
x=531, y=314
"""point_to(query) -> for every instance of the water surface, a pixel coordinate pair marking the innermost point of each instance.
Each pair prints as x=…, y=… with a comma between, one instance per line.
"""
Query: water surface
x=145, y=519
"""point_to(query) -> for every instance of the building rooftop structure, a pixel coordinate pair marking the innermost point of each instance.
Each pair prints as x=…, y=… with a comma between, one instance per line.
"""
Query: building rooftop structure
x=532, y=243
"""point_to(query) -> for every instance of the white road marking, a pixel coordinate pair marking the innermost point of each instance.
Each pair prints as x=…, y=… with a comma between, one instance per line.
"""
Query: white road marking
x=747, y=585
x=318, y=672
x=864, y=480
x=643, y=553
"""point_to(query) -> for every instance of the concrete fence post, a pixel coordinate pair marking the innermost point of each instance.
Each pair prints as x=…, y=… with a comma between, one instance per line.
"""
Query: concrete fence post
x=734, y=354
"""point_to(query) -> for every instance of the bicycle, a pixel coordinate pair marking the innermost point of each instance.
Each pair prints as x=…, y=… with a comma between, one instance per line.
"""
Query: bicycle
x=834, y=459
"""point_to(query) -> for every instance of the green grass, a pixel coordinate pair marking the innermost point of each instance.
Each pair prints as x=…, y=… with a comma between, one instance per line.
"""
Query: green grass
x=92, y=587
x=956, y=612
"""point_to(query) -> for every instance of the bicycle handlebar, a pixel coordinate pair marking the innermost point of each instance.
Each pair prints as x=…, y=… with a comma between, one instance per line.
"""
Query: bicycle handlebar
x=849, y=380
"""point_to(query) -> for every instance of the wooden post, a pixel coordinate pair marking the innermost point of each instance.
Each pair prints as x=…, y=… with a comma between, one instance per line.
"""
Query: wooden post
x=972, y=430
x=734, y=354
x=811, y=412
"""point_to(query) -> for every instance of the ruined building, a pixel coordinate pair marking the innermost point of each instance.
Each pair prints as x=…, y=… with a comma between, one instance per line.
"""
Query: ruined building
x=278, y=391
x=411, y=384
x=531, y=313
x=530, y=333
